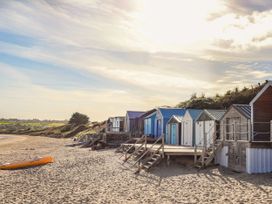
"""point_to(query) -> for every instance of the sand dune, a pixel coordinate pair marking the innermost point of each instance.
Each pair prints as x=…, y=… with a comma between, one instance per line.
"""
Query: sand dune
x=84, y=176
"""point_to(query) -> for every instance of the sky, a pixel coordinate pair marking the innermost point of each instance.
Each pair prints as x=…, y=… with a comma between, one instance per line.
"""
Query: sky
x=103, y=57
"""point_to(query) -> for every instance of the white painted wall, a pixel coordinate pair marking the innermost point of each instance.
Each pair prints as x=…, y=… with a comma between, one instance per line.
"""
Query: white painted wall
x=187, y=130
x=222, y=157
x=258, y=160
x=201, y=127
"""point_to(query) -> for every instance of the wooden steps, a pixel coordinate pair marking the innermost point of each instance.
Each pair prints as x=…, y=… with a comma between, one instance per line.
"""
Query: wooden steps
x=150, y=162
x=208, y=155
x=144, y=157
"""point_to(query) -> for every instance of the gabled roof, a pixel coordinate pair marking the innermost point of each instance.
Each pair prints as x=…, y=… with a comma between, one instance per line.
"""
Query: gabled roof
x=148, y=113
x=169, y=112
x=151, y=114
x=266, y=86
x=134, y=114
x=215, y=114
x=176, y=118
x=194, y=113
x=244, y=109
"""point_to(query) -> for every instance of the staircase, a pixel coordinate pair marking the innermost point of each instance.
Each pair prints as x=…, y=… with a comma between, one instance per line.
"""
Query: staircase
x=149, y=162
x=144, y=157
x=208, y=155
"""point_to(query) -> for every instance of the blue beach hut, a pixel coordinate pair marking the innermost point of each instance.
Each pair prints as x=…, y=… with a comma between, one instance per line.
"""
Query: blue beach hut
x=162, y=117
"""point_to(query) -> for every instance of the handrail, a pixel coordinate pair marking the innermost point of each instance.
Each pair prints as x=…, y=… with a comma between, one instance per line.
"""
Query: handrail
x=160, y=138
x=127, y=158
x=141, y=138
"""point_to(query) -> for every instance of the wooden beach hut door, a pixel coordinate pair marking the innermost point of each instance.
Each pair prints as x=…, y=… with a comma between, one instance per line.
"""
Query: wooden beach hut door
x=159, y=129
x=200, y=133
x=209, y=130
x=173, y=133
x=188, y=133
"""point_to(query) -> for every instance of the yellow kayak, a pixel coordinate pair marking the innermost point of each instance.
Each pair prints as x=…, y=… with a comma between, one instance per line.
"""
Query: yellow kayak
x=27, y=164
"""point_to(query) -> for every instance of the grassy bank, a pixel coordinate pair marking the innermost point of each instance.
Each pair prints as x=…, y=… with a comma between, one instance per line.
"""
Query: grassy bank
x=60, y=129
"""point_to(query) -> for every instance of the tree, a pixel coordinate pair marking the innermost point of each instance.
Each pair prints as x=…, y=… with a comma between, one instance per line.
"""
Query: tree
x=79, y=119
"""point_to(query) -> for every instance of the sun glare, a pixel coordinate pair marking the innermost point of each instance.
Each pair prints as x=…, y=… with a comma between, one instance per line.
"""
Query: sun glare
x=175, y=23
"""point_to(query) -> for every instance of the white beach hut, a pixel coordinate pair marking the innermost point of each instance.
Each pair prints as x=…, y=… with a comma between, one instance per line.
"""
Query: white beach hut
x=188, y=127
x=207, y=125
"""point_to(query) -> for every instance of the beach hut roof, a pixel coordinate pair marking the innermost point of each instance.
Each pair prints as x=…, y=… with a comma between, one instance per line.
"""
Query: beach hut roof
x=169, y=112
x=148, y=113
x=215, y=114
x=134, y=114
x=176, y=118
x=194, y=113
x=267, y=85
x=244, y=109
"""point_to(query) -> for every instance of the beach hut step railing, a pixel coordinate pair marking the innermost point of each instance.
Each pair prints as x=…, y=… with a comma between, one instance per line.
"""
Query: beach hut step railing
x=150, y=149
x=136, y=149
x=148, y=164
x=132, y=146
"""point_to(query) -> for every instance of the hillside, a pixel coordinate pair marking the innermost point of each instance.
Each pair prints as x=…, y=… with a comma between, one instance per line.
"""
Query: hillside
x=236, y=96
x=59, y=129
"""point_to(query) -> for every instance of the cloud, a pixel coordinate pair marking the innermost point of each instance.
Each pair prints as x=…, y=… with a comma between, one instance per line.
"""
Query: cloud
x=104, y=57
x=249, y=6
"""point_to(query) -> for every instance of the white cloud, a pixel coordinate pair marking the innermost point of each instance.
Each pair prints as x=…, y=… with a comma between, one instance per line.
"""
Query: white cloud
x=160, y=52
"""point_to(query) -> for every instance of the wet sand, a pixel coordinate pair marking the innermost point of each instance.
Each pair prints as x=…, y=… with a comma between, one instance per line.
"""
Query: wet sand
x=84, y=176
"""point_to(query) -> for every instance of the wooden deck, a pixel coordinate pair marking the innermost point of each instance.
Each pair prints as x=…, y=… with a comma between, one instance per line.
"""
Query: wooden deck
x=171, y=150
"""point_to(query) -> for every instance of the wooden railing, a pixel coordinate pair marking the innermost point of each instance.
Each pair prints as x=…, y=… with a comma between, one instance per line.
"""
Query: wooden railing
x=137, y=149
x=156, y=151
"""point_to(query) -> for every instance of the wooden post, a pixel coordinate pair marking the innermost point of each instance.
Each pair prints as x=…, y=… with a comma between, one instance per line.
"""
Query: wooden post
x=195, y=156
x=271, y=130
x=248, y=130
x=233, y=132
x=202, y=157
x=214, y=140
x=168, y=160
x=223, y=132
x=162, y=145
x=205, y=141
x=145, y=141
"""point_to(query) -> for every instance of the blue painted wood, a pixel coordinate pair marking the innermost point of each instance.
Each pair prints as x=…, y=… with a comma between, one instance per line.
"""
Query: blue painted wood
x=173, y=133
x=164, y=114
x=149, y=125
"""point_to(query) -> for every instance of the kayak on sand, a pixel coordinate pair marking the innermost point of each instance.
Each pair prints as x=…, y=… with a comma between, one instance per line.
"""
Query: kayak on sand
x=26, y=164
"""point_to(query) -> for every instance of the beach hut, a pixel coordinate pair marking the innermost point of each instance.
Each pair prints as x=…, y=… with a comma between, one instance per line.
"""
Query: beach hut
x=149, y=123
x=207, y=126
x=235, y=124
x=246, y=134
x=188, y=127
x=141, y=121
x=115, y=124
x=132, y=122
x=235, y=133
x=173, y=136
x=261, y=114
x=162, y=117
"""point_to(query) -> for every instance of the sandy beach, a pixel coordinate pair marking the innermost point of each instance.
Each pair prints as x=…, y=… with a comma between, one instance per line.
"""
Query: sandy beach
x=84, y=176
